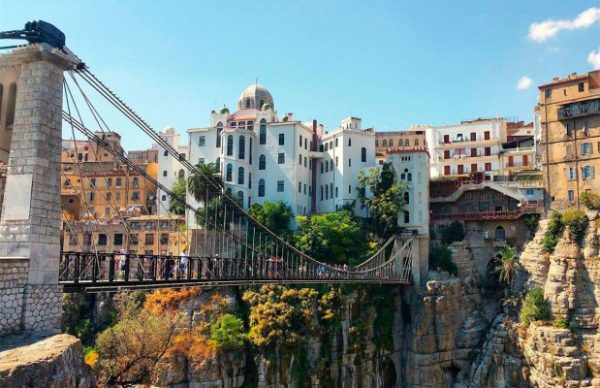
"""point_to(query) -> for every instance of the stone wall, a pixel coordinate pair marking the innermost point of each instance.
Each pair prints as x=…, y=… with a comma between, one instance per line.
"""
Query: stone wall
x=13, y=278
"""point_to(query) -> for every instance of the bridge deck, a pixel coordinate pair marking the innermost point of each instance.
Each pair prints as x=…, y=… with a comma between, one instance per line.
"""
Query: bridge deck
x=90, y=272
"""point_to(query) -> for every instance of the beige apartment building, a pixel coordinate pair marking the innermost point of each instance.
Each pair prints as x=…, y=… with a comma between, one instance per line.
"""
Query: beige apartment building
x=411, y=140
x=570, y=120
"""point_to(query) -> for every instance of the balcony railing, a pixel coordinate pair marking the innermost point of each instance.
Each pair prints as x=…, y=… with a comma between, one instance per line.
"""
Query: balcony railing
x=527, y=207
x=579, y=109
x=464, y=141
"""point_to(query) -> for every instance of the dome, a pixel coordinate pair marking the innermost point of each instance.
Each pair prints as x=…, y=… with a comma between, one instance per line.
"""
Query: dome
x=255, y=97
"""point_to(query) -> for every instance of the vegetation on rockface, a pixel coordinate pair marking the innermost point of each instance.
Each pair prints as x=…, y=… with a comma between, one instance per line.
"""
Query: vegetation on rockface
x=176, y=203
x=385, y=201
x=452, y=232
x=576, y=223
x=553, y=232
x=535, y=307
x=276, y=216
x=532, y=222
x=561, y=322
x=590, y=200
x=506, y=266
x=440, y=259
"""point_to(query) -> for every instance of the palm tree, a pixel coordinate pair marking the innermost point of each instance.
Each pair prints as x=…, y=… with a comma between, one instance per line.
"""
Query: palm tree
x=202, y=185
x=507, y=266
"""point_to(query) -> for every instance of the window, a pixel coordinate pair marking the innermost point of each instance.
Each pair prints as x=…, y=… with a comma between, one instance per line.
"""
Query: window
x=230, y=145
x=349, y=142
x=281, y=158
x=93, y=182
x=219, y=131
x=300, y=142
x=262, y=132
x=376, y=143
x=250, y=125
x=571, y=196
x=133, y=239
x=218, y=164
x=487, y=151
x=118, y=239
x=249, y=180
x=242, y=147
x=280, y=186
x=108, y=196
x=580, y=87
x=363, y=155
x=409, y=177
x=548, y=93
x=586, y=148
x=202, y=141
x=149, y=239
x=240, y=197
x=166, y=153
x=571, y=173
x=164, y=198
x=117, y=196
x=261, y=187
x=250, y=152
x=331, y=190
x=488, y=167
x=241, y=175
x=337, y=192
x=336, y=161
x=416, y=142
x=406, y=217
x=321, y=192
x=248, y=103
x=500, y=234
x=322, y=166
x=11, y=104
x=118, y=182
x=92, y=196
x=486, y=135
x=406, y=142
x=164, y=239
x=305, y=189
x=349, y=189
x=305, y=159
x=107, y=212
x=229, y=173
x=305, y=144
x=281, y=139
x=326, y=192
x=300, y=187
x=336, y=142
x=385, y=143
x=349, y=162
x=180, y=174
x=587, y=172
x=262, y=162
x=135, y=195
x=406, y=198
x=102, y=239
x=300, y=160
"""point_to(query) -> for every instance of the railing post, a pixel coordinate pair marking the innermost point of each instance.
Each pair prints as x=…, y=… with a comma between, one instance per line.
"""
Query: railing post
x=111, y=268
x=76, y=270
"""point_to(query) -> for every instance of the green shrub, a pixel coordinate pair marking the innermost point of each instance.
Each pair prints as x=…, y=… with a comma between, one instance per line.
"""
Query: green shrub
x=561, y=322
x=227, y=333
x=453, y=232
x=441, y=259
x=553, y=233
x=576, y=223
x=532, y=222
x=535, y=307
x=590, y=200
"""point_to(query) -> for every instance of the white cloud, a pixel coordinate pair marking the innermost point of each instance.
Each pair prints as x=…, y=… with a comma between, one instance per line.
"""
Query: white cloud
x=539, y=32
x=524, y=83
x=594, y=59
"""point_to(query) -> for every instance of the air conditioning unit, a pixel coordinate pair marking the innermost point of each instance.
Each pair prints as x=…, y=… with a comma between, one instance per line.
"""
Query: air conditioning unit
x=486, y=234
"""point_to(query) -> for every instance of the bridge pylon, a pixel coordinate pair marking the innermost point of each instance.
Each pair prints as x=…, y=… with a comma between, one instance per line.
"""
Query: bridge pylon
x=31, y=78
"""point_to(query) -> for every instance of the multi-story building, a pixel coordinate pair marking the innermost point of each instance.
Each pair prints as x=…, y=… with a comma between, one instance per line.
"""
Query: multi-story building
x=569, y=110
x=171, y=168
x=412, y=139
x=264, y=158
x=465, y=148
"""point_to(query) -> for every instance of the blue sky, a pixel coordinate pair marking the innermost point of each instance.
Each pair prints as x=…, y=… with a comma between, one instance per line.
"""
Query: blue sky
x=393, y=63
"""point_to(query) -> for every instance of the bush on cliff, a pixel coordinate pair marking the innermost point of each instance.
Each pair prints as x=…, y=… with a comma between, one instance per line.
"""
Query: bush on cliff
x=535, y=306
x=441, y=260
x=553, y=233
x=453, y=232
x=590, y=200
x=576, y=223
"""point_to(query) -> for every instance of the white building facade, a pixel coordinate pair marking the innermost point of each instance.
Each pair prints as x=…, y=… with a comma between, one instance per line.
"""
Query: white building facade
x=169, y=168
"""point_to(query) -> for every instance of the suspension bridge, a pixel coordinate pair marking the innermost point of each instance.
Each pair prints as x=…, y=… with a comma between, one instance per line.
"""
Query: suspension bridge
x=233, y=248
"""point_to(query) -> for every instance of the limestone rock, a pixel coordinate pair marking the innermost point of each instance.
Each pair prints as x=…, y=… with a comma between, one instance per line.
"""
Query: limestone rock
x=55, y=362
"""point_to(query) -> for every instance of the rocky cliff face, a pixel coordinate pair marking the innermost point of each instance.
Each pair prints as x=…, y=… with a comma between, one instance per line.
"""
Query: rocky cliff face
x=542, y=355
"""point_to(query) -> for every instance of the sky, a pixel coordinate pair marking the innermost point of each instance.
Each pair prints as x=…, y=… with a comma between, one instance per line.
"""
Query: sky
x=392, y=63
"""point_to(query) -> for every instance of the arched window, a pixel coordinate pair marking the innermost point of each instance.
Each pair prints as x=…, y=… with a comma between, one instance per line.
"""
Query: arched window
x=135, y=182
x=406, y=142
x=261, y=102
x=331, y=190
x=376, y=143
x=384, y=142
x=500, y=234
x=248, y=103
x=321, y=192
x=363, y=155
x=249, y=180
x=391, y=142
x=262, y=162
x=12, y=100
x=229, y=174
x=406, y=217
x=322, y=167
x=416, y=142
x=402, y=176
x=241, y=174
x=230, y=145
x=228, y=191
x=242, y=147
x=250, y=152
x=262, y=132
x=219, y=132
x=240, y=198
x=261, y=187
x=406, y=198
x=409, y=177
x=321, y=148
x=218, y=164
x=349, y=142
x=326, y=192
x=181, y=173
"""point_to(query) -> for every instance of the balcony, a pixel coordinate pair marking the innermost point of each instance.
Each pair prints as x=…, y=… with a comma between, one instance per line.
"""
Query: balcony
x=466, y=143
x=526, y=207
x=579, y=109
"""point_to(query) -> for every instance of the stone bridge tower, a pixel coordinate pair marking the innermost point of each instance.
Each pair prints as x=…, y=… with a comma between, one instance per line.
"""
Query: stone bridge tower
x=31, y=92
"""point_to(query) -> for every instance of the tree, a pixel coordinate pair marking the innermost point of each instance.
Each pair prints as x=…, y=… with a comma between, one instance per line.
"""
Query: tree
x=202, y=185
x=535, y=307
x=507, y=266
x=590, y=200
x=227, y=333
x=333, y=237
x=177, y=201
x=276, y=216
x=453, y=232
x=386, y=200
